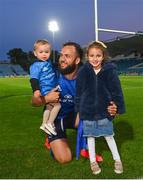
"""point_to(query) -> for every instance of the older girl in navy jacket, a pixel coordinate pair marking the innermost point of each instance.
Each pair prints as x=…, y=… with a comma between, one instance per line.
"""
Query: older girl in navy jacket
x=97, y=85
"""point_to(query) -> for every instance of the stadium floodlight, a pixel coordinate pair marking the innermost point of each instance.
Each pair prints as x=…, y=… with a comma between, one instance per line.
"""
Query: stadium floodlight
x=53, y=27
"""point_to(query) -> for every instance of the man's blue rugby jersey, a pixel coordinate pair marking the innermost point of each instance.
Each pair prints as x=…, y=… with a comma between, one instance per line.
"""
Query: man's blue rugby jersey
x=67, y=95
x=45, y=74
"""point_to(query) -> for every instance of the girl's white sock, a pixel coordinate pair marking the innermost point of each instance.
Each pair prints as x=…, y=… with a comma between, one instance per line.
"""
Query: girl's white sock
x=113, y=147
x=91, y=149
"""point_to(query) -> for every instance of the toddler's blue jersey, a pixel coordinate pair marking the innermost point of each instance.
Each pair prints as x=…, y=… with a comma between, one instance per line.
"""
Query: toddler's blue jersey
x=67, y=95
x=44, y=72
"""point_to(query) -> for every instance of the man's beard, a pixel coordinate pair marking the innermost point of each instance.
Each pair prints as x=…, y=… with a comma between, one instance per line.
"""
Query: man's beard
x=69, y=69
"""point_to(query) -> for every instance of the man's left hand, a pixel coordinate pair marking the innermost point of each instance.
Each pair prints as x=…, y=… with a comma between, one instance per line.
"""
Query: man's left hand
x=112, y=109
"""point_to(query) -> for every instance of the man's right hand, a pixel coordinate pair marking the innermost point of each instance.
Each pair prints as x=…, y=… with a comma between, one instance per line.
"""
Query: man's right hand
x=52, y=96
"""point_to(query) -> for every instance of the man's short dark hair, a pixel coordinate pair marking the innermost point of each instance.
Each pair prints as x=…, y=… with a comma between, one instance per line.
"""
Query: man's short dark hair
x=77, y=47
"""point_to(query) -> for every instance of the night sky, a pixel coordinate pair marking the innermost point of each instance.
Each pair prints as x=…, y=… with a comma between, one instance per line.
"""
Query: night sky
x=22, y=22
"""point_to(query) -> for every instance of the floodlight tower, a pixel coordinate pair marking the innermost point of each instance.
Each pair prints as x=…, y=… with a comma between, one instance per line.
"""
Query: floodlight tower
x=53, y=27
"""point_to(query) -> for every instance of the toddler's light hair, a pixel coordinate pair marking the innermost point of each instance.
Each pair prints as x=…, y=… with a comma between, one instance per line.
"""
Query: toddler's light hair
x=40, y=42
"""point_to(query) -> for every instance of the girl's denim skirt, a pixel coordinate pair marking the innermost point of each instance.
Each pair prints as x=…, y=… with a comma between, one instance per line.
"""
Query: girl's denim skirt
x=97, y=128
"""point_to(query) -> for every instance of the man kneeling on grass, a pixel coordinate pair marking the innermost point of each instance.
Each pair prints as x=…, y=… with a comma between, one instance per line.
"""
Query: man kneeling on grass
x=70, y=58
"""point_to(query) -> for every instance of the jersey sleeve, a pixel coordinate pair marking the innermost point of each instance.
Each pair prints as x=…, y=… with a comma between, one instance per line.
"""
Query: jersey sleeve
x=34, y=84
x=34, y=76
x=34, y=71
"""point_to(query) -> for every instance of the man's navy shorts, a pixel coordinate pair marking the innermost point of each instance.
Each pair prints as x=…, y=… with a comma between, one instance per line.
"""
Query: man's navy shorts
x=61, y=124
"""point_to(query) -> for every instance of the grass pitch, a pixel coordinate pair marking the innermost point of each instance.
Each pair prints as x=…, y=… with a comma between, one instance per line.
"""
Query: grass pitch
x=22, y=151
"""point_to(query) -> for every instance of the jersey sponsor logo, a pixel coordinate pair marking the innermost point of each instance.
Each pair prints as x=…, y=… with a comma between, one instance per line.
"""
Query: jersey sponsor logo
x=67, y=98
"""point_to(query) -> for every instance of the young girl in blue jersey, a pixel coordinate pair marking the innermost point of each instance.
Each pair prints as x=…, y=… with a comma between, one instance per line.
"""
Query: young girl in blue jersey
x=43, y=79
x=98, y=84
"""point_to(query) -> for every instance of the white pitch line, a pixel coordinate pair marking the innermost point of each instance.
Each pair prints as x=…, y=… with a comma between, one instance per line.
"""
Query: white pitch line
x=133, y=87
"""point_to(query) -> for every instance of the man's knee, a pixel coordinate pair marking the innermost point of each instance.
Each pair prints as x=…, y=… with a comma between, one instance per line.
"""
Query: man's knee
x=61, y=151
x=63, y=159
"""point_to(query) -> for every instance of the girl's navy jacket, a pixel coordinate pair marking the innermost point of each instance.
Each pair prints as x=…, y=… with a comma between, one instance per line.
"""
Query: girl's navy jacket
x=95, y=91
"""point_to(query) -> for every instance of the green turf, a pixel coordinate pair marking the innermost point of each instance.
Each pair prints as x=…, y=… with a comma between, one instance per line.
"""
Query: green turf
x=22, y=151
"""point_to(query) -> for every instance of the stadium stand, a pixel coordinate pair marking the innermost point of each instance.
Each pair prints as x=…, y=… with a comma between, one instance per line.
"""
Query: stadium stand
x=7, y=69
x=137, y=68
x=129, y=65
